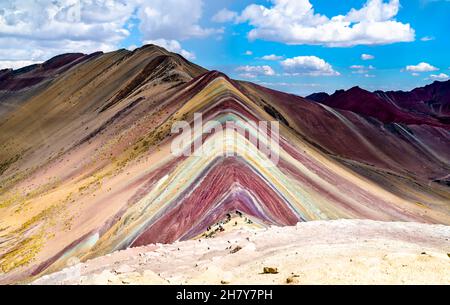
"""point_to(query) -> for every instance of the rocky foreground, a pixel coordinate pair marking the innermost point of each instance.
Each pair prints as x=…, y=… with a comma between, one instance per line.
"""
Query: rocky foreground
x=317, y=252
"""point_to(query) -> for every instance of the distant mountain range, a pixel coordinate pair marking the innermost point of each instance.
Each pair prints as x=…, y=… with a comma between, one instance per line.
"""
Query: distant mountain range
x=426, y=105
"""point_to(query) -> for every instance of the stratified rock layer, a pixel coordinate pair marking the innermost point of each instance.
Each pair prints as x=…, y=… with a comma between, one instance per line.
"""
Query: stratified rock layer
x=86, y=164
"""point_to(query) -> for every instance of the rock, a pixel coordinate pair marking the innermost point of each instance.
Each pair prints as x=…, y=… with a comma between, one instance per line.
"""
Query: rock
x=236, y=249
x=292, y=279
x=270, y=270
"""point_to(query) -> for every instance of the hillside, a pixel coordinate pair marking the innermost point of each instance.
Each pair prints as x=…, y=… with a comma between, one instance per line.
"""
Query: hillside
x=86, y=167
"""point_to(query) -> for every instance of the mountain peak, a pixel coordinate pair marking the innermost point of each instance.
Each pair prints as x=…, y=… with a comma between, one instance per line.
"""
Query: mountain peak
x=356, y=88
x=318, y=97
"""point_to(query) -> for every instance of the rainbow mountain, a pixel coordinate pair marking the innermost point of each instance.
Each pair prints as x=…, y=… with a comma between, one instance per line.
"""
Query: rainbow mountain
x=86, y=167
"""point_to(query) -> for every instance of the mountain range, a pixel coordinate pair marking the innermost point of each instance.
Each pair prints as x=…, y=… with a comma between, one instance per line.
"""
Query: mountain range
x=426, y=105
x=86, y=167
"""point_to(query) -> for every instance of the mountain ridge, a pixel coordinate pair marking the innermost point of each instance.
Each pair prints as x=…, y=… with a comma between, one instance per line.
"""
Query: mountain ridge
x=423, y=105
x=87, y=168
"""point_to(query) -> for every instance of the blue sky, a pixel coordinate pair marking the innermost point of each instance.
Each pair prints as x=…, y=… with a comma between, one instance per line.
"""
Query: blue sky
x=314, y=52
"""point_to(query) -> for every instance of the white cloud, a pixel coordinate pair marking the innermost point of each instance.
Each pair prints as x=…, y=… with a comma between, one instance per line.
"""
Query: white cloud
x=172, y=46
x=172, y=19
x=367, y=57
x=427, y=38
x=224, y=15
x=295, y=22
x=441, y=76
x=272, y=57
x=360, y=69
x=248, y=52
x=247, y=75
x=37, y=30
x=254, y=71
x=65, y=19
x=415, y=74
x=308, y=65
x=421, y=67
x=40, y=50
x=15, y=64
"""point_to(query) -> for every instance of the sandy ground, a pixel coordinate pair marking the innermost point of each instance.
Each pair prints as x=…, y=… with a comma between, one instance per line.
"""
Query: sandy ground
x=317, y=252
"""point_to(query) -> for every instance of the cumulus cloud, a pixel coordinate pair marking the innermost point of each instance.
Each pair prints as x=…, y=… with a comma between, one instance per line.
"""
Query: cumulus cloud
x=441, y=76
x=37, y=30
x=421, y=67
x=295, y=22
x=272, y=57
x=367, y=57
x=225, y=15
x=308, y=65
x=65, y=19
x=248, y=53
x=254, y=71
x=172, y=46
x=172, y=19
